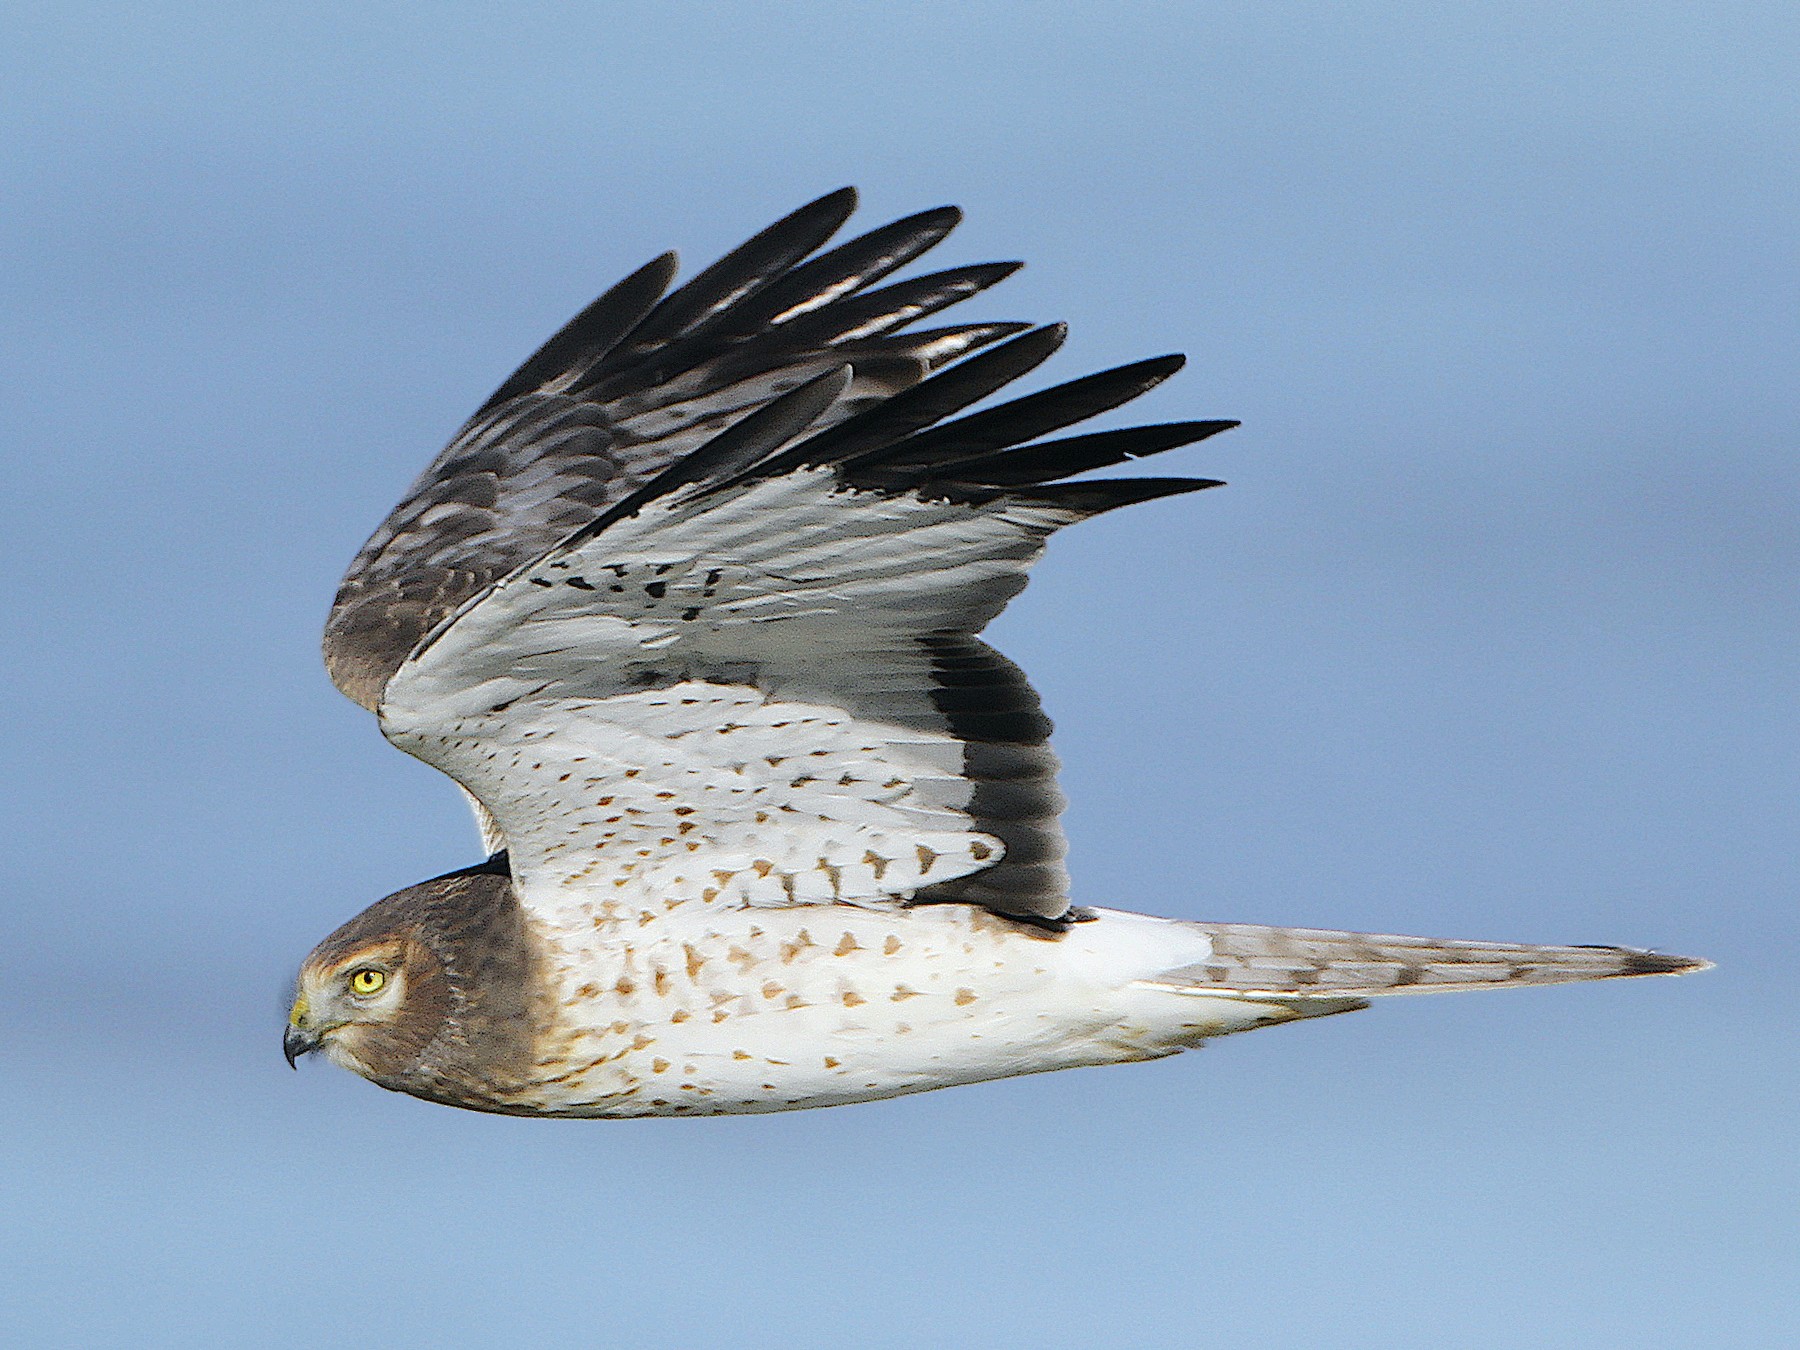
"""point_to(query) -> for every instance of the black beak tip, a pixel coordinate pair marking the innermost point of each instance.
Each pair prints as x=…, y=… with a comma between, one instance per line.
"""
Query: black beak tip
x=295, y=1043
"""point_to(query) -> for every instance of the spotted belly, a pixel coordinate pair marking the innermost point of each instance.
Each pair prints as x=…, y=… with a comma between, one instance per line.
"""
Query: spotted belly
x=701, y=1011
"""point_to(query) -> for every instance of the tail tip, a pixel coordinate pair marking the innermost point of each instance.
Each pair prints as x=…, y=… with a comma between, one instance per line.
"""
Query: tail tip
x=1660, y=963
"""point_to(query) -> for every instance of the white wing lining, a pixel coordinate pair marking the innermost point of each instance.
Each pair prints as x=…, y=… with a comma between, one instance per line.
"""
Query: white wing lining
x=722, y=698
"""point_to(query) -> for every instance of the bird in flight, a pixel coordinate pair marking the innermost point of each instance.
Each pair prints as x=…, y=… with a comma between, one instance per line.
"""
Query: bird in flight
x=690, y=610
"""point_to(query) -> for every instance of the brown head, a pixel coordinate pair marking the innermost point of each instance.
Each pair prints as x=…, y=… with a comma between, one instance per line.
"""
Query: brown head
x=430, y=991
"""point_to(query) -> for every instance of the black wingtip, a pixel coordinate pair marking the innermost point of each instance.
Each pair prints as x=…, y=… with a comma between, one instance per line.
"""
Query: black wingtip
x=1109, y=494
x=825, y=215
x=942, y=219
x=1161, y=367
x=837, y=205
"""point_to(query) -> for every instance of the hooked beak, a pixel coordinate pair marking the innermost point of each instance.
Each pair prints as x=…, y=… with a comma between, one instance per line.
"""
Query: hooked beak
x=296, y=1042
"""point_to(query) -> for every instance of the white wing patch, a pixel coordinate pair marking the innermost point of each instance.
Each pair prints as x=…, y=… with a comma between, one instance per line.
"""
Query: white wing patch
x=724, y=699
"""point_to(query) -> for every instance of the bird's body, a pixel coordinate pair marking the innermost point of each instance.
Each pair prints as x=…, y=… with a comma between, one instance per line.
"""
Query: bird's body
x=689, y=609
x=701, y=1011
x=690, y=1008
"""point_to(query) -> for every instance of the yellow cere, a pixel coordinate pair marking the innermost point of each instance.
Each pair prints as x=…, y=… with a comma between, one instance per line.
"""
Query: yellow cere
x=367, y=981
x=297, y=1014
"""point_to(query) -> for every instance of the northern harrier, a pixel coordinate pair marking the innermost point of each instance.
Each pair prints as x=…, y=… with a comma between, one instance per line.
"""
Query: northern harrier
x=689, y=608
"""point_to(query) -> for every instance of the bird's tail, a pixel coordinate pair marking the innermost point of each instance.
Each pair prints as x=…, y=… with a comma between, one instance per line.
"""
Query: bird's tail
x=1306, y=969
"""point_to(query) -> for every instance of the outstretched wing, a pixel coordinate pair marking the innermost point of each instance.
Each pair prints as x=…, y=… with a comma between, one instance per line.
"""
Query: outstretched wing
x=630, y=385
x=752, y=675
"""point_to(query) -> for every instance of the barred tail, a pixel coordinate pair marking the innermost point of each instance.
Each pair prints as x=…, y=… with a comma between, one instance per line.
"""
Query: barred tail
x=1304, y=964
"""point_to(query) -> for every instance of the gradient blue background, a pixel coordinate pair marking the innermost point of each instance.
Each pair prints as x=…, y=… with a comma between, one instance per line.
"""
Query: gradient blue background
x=1493, y=635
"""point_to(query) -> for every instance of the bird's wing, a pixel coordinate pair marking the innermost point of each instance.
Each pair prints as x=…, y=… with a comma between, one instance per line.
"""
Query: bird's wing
x=754, y=678
x=633, y=383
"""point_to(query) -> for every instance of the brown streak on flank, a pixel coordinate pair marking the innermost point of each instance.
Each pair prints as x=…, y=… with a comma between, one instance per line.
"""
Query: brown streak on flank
x=740, y=1054
x=680, y=1015
x=577, y=1071
x=625, y=986
x=902, y=993
x=659, y=1066
x=694, y=961
x=964, y=997
x=720, y=1016
x=772, y=990
x=639, y=1041
x=830, y=1063
x=852, y=999
x=740, y=958
x=588, y=991
x=846, y=945
x=902, y=1028
x=660, y=981
x=795, y=1001
x=891, y=946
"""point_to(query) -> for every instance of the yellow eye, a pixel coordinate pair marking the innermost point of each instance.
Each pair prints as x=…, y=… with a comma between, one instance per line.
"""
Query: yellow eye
x=367, y=981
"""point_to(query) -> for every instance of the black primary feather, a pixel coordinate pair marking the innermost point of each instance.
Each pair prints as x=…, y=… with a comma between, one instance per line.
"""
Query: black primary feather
x=647, y=390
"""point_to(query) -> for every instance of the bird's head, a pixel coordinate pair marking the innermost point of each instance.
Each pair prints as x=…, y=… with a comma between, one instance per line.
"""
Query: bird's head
x=373, y=1001
x=432, y=991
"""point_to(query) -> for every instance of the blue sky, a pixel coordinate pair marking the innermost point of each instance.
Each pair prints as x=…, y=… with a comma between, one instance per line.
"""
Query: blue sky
x=1493, y=635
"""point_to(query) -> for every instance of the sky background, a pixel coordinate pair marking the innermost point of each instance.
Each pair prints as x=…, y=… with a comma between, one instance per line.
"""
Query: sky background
x=1493, y=635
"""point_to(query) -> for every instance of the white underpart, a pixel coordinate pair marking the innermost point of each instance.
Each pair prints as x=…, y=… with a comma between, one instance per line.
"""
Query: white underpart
x=702, y=1010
